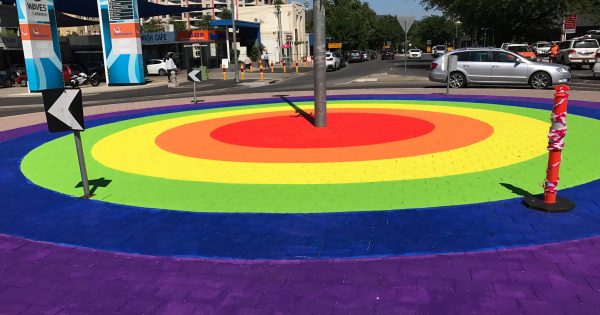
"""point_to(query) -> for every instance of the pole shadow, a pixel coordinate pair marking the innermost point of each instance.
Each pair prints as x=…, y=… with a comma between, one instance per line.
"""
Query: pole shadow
x=517, y=190
x=95, y=184
x=299, y=111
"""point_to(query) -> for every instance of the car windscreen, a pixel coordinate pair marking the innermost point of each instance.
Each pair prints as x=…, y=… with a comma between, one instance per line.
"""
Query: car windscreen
x=440, y=47
x=414, y=50
x=518, y=48
x=585, y=44
x=540, y=45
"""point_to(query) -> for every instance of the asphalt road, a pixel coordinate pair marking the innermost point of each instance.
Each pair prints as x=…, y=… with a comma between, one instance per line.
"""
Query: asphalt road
x=353, y=76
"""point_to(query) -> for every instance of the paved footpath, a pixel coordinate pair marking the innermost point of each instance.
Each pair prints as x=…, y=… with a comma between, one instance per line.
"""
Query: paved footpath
x=44, y=278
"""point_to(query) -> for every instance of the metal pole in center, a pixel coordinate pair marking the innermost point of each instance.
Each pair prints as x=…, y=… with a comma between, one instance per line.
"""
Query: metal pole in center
x=235, y=55
x=82, y=169
x=405, y=47
x=319, y=65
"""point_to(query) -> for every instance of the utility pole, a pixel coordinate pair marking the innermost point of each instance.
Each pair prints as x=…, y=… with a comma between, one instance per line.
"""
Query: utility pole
x=279, y=31
x=235, y=55
x=319, y=64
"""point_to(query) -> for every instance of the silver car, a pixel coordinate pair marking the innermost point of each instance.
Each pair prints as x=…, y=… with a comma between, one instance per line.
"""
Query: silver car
x=497, y=66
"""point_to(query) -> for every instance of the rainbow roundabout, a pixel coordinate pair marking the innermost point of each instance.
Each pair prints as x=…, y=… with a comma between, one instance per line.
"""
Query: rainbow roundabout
x=390, y=176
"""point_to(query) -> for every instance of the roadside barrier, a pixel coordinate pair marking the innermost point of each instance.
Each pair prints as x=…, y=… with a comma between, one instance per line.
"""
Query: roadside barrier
x=556, y=142
x=224, y=73
x=262, y=75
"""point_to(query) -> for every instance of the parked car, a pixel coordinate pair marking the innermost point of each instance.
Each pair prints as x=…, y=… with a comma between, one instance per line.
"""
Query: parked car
x=596, y=68
x=414, y=53
x=542, y=49
x=497, y=66
x=438, y=50
x=331, y=61
x=521, y=49
x=355, y=56
x=578, y=52
x=387, y=54
x=156, y=67
x=366, y=56
x=5, y=79
x=341, y=57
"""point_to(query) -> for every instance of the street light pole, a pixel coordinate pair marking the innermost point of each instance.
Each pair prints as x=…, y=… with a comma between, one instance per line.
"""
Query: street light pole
x=319, y=64
x=279, y=31
x=235, y=55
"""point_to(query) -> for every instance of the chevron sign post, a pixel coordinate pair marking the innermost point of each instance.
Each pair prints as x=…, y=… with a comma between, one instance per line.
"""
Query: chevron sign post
x=64, y=112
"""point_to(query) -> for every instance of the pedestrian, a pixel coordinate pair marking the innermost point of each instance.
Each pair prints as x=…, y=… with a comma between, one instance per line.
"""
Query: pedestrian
x=170, y=65
x=247, y=62
x=268, y=60
x=554, y=52
x=265, y=58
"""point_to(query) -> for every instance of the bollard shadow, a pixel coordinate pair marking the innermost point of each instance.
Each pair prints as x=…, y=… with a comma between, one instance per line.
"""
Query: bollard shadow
x=517, y=190
x=95, y=184
x=299, y=111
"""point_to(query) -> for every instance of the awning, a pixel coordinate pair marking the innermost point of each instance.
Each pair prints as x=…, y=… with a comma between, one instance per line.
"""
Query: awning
x=249, y=31
x=89, y=8
x=8, y=18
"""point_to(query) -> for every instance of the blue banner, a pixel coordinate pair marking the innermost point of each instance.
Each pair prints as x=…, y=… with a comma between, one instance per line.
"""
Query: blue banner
x=39, y=36
x=120, y=30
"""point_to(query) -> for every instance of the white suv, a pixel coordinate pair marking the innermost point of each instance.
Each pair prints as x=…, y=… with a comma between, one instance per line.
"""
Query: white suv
x=578, y=52
x=332, y=62
x=596, y=68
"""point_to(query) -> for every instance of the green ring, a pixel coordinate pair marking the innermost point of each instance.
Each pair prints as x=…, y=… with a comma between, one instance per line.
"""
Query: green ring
x=52, y=166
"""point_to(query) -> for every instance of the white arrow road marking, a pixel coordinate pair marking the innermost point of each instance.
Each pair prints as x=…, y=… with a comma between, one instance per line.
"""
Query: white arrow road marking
x=193, y=76
x=60, y=109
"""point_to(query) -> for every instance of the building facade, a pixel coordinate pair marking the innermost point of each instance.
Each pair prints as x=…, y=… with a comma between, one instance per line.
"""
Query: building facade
x=294, y=40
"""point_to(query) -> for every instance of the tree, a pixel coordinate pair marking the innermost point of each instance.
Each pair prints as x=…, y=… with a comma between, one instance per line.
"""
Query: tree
x=153, y=25
x=204, y=23
x=387, y=28
x=225, y=14
x=505, y=20
x=350, y=22
x=438, y=29
x=180, y=26
x=254, y=53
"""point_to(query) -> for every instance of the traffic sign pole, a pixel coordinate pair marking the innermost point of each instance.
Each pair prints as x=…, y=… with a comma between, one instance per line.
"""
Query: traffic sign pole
x=195, y=99
x=194, y=76
x=82, y=169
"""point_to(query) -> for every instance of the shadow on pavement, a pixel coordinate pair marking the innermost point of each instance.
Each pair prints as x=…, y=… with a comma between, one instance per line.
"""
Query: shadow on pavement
x=95, y=184
x=299, y=111
x=517, y=190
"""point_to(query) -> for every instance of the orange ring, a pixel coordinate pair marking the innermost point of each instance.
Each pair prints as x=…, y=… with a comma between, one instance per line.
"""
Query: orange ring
x=465, y=131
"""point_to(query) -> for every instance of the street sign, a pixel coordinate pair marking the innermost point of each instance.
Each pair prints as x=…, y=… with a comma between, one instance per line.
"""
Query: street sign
x=64, y=112
x=335, y=45
x=406, y=22
x=194, y=75
x=64, y=109
x=570, y=24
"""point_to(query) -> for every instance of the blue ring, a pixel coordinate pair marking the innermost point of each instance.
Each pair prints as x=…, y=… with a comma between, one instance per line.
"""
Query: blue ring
x=37, y=213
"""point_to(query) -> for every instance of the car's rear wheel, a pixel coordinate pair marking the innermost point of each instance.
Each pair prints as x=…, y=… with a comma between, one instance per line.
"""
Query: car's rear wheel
x=162, y=72
x=540, y=80
x=457, y=80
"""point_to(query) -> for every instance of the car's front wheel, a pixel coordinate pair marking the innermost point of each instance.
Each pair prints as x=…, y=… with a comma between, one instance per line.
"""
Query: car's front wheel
x=457, y=80
x=540, y=80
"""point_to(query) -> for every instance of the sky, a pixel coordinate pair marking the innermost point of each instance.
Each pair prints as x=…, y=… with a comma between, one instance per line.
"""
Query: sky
x=397, y=7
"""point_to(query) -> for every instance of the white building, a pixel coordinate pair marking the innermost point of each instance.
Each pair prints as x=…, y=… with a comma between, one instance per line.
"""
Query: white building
x=293, y=25
x=213, y=7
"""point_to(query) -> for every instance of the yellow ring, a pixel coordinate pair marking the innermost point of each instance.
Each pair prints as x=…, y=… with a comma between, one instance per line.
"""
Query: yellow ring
x=515, y=139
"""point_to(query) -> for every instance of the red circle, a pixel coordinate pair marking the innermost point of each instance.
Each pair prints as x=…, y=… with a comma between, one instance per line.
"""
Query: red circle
x=343, y=130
